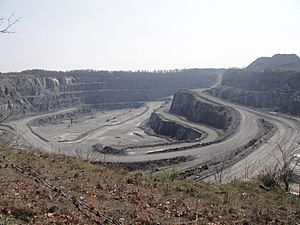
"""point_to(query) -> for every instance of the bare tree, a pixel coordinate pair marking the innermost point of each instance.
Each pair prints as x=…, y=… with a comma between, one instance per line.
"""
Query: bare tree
x=7, y=23
x=5, y=115
x=285, y=164
x=87, y=154
x=248, y=169
x=222, y=169
x=282, y=171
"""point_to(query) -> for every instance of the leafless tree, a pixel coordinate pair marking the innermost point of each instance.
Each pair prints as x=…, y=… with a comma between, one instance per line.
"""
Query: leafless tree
x=7, y=23
x=4, y=117
x=281, y=172
x=87, y=154
x=15, y=140
x=285, y=165
x=223, y=168
x=5, y=28
x=248, y=169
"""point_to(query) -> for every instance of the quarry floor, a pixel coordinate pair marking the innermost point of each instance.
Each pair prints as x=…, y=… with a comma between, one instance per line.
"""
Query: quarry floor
x=115, y=128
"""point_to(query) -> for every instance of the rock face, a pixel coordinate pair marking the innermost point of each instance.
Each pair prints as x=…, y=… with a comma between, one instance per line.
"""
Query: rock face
x=269, y=82
x=186, y=103
x=38, y=90
x=287, y=102
x=171, y=129
x=54, y=119
x=263, y=81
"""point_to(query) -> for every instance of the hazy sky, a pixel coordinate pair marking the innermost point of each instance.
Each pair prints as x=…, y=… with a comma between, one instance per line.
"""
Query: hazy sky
x=146, y=34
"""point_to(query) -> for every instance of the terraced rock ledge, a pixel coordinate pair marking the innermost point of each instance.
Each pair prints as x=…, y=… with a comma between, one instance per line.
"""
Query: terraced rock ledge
x=172, y=129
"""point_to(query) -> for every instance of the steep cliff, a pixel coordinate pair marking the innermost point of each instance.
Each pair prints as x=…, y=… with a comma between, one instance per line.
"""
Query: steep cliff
x=287, y=102
x=187, y=104
x=38, y=90
x=171, y=129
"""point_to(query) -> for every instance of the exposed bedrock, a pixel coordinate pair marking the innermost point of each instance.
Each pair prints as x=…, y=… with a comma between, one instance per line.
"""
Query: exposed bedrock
x=57, y=118
x=116, y=105
x=52, y=102
x=123, y=95
x=268, y=82
x=198, y=110
x=38, y=90
x=287, y=102
x=172, y=129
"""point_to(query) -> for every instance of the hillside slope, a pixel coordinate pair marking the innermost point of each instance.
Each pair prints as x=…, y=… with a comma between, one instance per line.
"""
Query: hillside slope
x=129, y=198
x=272, y=83
x=276, y=62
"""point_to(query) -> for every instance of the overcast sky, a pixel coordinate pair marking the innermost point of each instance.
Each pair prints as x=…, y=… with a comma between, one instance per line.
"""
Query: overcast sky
x=146, y=34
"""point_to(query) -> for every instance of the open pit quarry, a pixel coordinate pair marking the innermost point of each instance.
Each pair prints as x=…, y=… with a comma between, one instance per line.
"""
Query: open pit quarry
x=149, y=121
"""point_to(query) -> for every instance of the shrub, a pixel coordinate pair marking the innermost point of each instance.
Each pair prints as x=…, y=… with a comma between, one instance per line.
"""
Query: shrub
x=24, y=214
x=269, y=177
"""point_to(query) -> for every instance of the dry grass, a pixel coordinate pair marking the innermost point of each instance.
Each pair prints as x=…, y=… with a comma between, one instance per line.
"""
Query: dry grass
x=133, y=198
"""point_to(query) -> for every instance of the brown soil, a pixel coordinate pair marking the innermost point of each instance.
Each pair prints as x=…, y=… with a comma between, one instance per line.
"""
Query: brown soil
x=131, y=197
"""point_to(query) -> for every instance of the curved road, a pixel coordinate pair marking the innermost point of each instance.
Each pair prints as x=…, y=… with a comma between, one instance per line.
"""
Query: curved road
x=287, y=135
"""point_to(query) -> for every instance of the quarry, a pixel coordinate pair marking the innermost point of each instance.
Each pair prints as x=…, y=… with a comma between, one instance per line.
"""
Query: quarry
x=147, y=120
x=149, y=112
x=195, y=127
